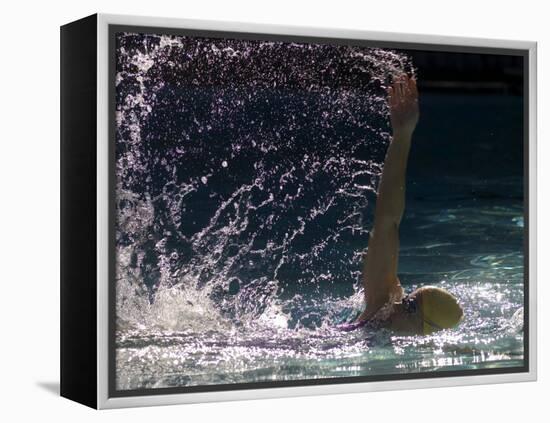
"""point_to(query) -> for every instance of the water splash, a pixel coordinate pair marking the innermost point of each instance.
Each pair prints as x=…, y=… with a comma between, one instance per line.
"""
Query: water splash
x=244, y=168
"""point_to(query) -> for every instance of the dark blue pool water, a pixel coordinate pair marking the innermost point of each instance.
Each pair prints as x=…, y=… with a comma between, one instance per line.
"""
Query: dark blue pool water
x=242, y=211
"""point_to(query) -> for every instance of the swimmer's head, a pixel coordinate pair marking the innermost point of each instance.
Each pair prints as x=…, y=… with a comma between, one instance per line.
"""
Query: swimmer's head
x=438, y=308
x=427, y=310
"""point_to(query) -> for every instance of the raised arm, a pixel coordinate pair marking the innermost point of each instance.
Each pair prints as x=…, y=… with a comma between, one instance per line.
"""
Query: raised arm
x=380, y=262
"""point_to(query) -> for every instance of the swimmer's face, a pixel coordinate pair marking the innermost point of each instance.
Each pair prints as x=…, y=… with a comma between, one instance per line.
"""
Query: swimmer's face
x=433, y=309
x=405, y=322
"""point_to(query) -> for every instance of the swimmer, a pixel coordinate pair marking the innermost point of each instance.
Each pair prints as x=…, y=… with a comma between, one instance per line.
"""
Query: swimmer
x=427, y=309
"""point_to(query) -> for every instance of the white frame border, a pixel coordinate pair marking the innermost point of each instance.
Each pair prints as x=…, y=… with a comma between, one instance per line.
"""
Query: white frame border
x=103, y=401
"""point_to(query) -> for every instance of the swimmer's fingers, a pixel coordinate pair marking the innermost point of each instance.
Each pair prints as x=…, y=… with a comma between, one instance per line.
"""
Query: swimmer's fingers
x=399, y=87
x=409, y=89
x=402, y=92
x=413, y=90
x=392, y=96
x=396, y=92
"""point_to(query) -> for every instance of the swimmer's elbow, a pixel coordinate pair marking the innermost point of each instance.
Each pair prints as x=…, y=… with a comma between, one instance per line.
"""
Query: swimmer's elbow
x=386, y=224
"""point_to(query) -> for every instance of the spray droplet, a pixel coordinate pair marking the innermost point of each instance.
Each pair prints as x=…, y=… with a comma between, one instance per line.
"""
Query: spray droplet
x=204, y=180
x=224, y=164
x=234, y=287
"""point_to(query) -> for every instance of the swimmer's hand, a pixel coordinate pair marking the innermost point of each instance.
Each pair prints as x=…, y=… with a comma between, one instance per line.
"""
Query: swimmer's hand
x=403, y=104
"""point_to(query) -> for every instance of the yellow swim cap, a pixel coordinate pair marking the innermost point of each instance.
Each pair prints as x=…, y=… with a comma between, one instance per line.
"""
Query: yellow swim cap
x=439, y=309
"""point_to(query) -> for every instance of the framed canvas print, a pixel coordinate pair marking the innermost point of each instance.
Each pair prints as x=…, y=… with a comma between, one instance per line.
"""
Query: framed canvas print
x=253, y=211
